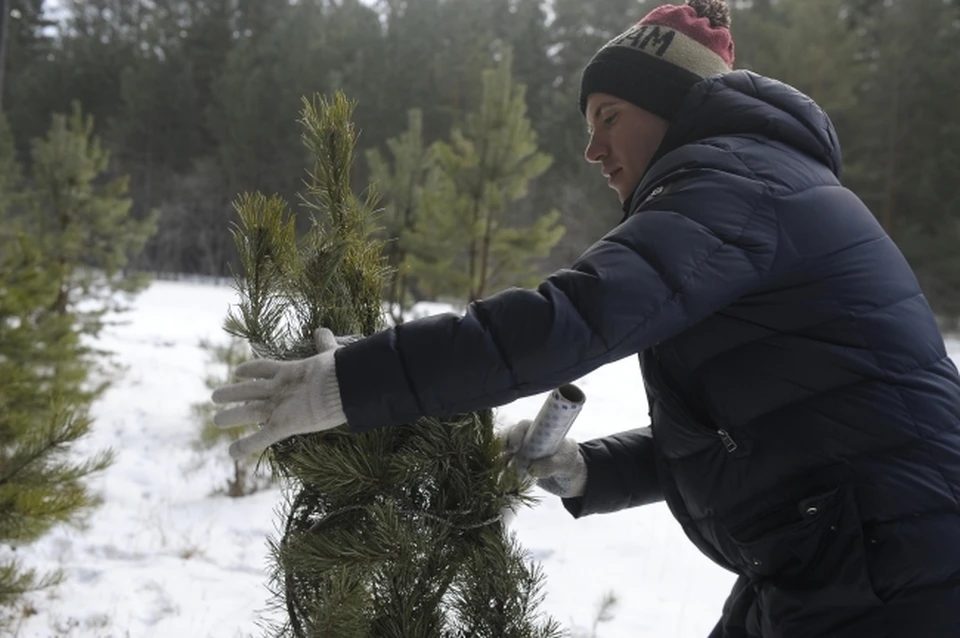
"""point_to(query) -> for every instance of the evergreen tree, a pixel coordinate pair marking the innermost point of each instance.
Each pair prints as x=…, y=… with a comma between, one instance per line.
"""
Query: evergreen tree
x=252, y=101
x=463, y=244
x=902, y=151
x=42, y=409
x=402, y=185
x=414, y=64
x=86, y=228
x=809, y=45
x=590, y=208
x=394, y=533
x=160, y=127
x=21, y=30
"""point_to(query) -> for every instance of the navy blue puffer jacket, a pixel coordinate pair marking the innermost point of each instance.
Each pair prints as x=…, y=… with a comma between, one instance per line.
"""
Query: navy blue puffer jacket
x=805, y=417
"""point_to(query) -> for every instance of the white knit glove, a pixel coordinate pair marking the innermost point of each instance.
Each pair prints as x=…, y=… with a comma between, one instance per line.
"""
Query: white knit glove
x=287, y=397
x=563, y=474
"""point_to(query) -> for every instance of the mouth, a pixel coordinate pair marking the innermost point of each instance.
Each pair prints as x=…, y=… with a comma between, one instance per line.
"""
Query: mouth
x=612, y=175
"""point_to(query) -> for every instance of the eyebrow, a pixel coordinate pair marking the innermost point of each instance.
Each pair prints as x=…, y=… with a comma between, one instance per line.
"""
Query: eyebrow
x=600, y=107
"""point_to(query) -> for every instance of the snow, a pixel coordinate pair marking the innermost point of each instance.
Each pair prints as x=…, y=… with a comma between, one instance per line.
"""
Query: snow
x=167, y=556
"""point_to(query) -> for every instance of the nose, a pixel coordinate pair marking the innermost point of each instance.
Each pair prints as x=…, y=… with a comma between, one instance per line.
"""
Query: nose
x=596, y=149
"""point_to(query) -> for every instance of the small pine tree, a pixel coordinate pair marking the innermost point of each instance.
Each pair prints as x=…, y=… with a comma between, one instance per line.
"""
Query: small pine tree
x=605, y=610
x=86, y=227
x=394, y=533
x=402, y=187
x=463, y=244
x=41, y=361
x=225, y=357
x=62, y=240
x=604, y=613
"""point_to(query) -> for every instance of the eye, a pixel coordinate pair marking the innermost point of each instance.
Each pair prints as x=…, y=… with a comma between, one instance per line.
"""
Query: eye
x=607, y=121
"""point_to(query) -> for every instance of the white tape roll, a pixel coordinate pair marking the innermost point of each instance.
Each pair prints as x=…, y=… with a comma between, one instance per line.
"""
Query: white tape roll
x=552, y=424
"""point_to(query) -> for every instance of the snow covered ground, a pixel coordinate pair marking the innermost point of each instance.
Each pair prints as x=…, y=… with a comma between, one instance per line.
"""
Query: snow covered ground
x=166, y=557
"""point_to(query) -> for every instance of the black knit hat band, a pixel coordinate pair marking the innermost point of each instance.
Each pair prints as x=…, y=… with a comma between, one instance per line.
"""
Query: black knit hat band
x=652, y=84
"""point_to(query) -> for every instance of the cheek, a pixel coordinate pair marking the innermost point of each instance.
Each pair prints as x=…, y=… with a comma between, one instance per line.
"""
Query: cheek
x=635, y=159
x=641, y=155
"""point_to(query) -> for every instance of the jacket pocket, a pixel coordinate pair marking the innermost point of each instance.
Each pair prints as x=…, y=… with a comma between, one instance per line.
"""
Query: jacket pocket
x=786, y=541
x=811, y=542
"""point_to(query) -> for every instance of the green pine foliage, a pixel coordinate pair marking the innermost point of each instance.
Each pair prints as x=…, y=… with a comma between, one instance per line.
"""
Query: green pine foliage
x=464, y=243
x=394, y=533
x=44, y=403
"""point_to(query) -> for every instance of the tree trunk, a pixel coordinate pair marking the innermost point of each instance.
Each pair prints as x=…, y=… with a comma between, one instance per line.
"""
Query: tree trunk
x=472, y=268
x=237, y=487
x=63, y=222
x=888, y=212
x=485, y=255
x=4, y=19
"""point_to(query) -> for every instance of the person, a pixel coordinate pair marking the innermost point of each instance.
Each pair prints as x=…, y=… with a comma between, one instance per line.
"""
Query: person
x=805, y=417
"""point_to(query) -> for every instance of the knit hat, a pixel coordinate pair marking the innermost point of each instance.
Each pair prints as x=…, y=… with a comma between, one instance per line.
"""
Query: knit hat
x=655, y=62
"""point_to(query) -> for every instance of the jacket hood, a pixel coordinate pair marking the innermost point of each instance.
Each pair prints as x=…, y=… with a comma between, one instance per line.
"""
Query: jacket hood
x=744, y=103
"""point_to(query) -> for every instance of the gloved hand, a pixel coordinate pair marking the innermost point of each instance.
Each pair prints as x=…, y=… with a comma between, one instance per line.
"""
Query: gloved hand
x=287, y=397
x=564, y=474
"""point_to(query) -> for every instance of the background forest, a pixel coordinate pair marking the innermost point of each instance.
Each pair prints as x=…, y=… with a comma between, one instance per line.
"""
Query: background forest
x=196, y=101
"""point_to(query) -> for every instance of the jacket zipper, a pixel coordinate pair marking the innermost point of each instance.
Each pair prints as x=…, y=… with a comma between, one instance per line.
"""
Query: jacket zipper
x=728, y=441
